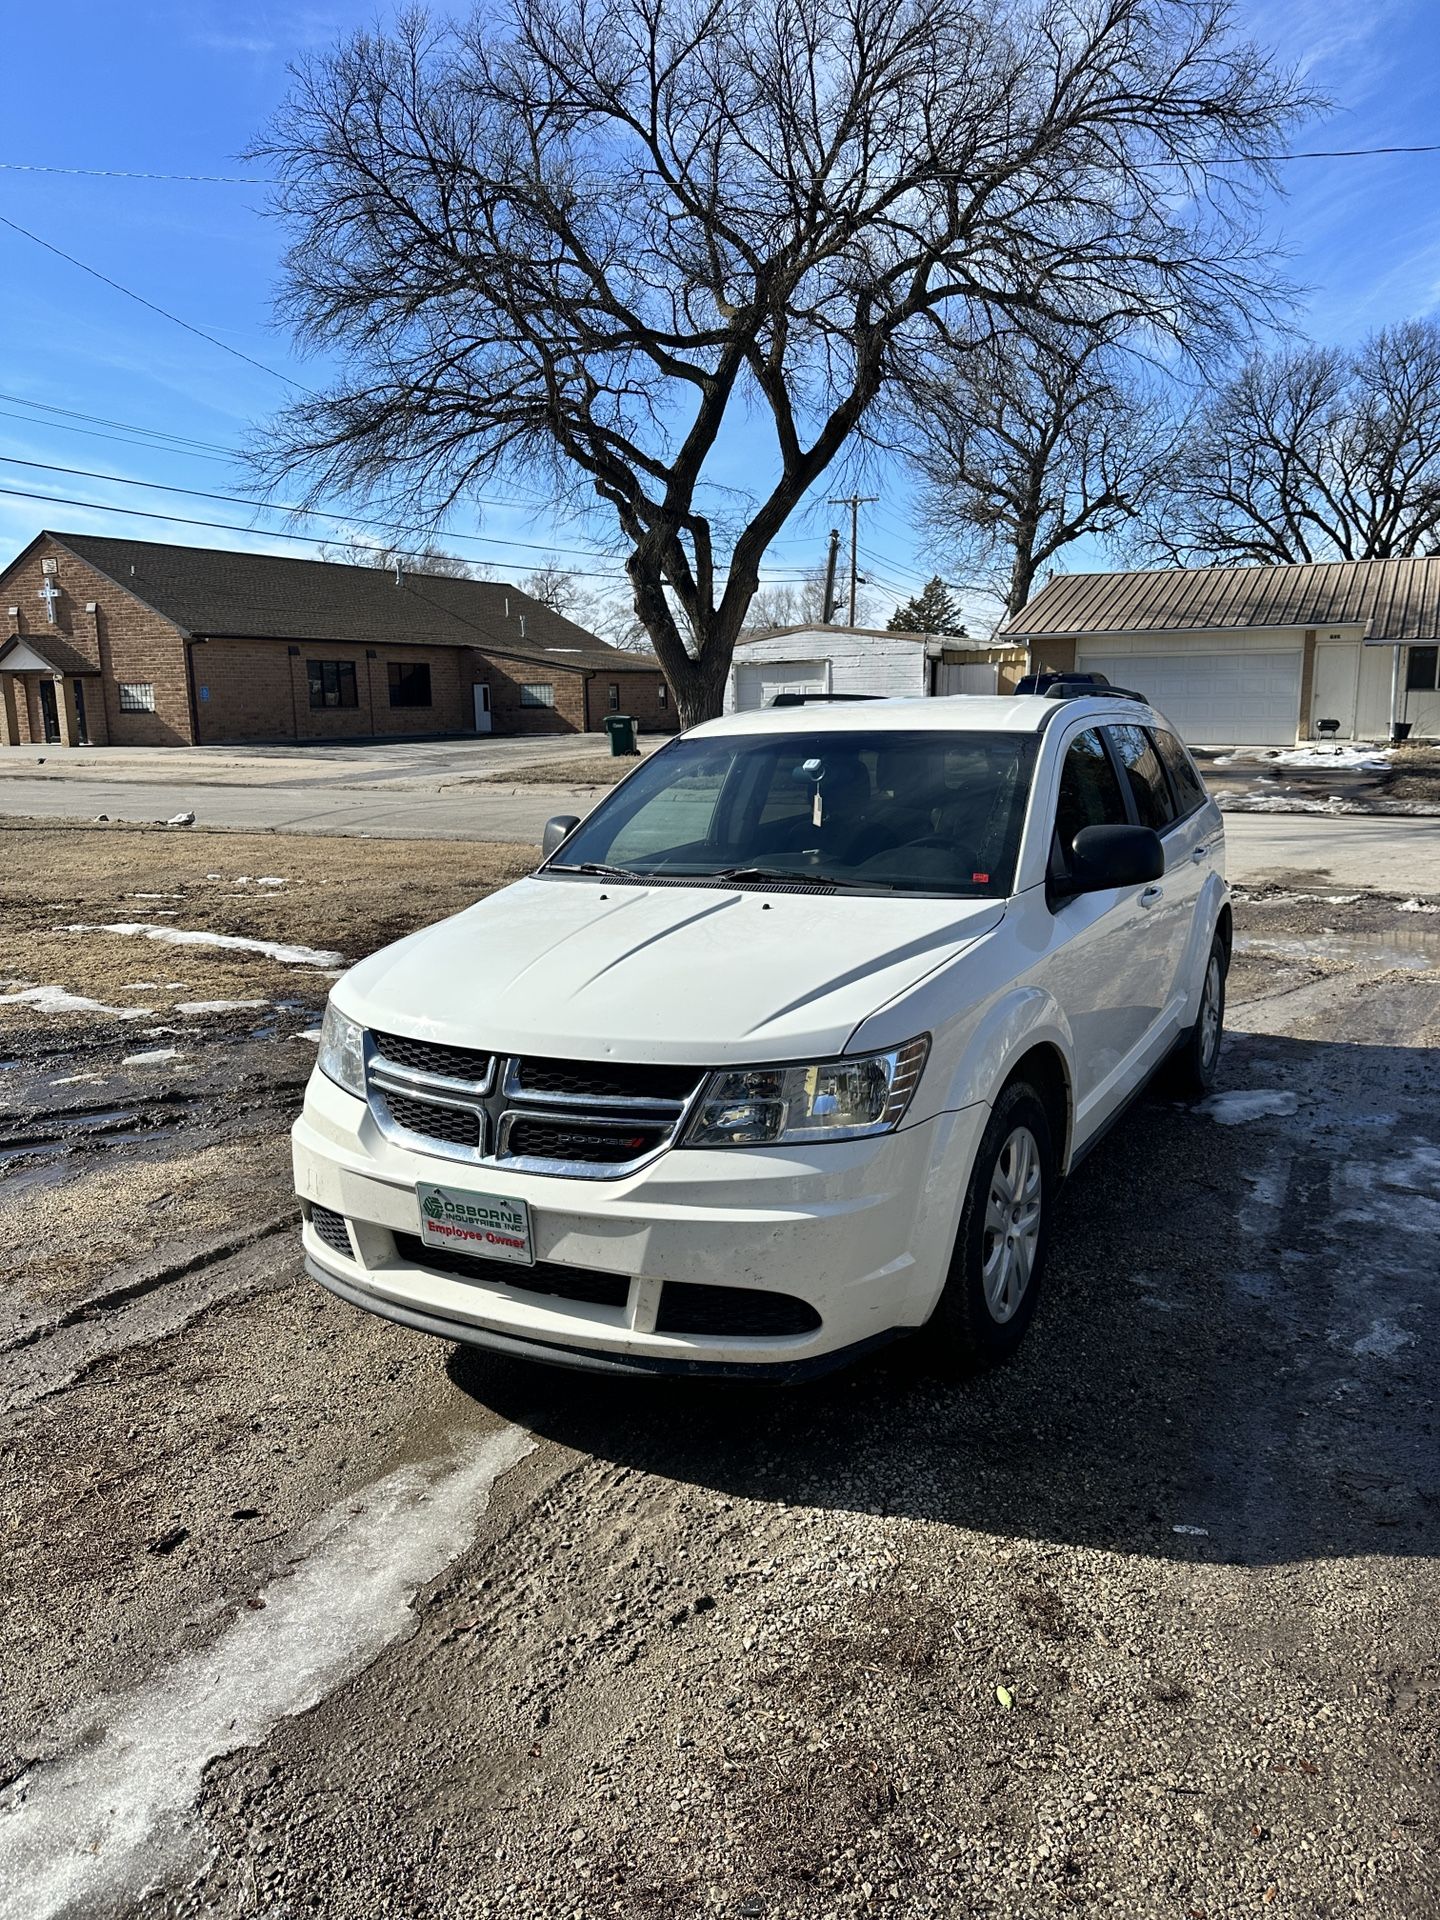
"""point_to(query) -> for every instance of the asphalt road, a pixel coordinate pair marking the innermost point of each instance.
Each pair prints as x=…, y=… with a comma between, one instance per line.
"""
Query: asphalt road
x=306, y=1615
x=1346, y=851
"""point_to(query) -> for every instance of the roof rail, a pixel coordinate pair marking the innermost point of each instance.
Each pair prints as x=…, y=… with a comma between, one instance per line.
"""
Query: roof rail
x=1081, y=690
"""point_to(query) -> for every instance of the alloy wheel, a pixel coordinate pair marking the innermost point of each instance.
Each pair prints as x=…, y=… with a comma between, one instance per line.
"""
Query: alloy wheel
x=1012, y=1224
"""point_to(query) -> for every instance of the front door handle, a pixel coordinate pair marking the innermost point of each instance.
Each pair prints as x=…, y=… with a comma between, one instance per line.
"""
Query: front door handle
x=1198, y=853
x=1152, y=896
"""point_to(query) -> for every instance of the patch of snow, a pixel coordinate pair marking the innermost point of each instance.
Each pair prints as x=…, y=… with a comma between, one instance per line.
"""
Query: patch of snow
x=92, y=1829
x=1253, y=1103
x=140, y=986
x=74, y=1079
x=156, y=1057
x=186, y=937
x=1418, y=906
x=216, y=1006
x=57, y=1000
x=181, y=820
x=1199, y=1533
x=272, y=880
x=312, y=1034
x=212, y=876
x=1352, y=757
x=157, y=896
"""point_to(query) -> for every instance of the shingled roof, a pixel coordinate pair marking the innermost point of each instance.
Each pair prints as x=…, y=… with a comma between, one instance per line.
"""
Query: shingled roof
x=1395, y=601
x=221, y=594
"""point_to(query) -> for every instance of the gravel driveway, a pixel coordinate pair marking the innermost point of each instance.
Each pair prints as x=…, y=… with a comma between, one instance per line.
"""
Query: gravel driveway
x=1143, y=1624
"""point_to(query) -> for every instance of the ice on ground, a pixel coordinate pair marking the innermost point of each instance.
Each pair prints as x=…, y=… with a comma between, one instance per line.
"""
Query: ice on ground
x=1252, y=1103
x=1382, y=1342
x=112, y=1817
x=193, y=937
x=216, y=1006
x=1418, y=906
x=156, y=1057
x=57, y=1000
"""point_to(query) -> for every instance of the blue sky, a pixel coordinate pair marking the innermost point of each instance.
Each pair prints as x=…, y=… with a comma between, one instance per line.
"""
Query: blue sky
x=182, y=88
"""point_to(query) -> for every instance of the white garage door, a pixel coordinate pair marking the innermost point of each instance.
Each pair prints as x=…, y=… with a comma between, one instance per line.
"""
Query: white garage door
x=757, y=684
x=1214, y=699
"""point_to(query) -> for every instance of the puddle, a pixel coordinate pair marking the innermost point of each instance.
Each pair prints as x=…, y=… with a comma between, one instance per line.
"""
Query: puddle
x=1415, y=948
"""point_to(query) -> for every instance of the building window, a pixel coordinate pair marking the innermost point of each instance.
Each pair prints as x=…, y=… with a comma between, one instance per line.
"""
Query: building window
x=662, y=695
x=137, y=696
x=332, y=683
x=537, y=694
x=1422, y=669
x=409, y=684
x=612, y=697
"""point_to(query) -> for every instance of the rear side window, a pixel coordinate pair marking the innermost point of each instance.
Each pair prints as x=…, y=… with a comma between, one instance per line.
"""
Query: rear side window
x=1190, y=793
x=1146, y=776
x=1090, y=794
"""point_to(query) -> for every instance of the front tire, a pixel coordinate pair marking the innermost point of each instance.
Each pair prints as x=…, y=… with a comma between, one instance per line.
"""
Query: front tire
x=1194, y=1065
x=996, y=1270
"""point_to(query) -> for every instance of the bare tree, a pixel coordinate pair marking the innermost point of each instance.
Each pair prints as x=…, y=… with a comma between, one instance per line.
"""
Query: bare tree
x=578, y=240
x=1027, y=443
x=552, y=586
x=425, y=557
x=1311, y=454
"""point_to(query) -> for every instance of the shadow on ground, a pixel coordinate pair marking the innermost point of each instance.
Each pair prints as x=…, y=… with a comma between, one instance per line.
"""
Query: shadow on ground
x=1238, y=1335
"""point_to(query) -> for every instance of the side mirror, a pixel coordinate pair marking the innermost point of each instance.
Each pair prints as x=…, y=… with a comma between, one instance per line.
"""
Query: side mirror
x=558, y=830
x=1108, y=857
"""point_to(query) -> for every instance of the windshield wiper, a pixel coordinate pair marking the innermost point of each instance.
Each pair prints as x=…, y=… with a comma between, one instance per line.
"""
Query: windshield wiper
x=781, y=875
x=598, y=868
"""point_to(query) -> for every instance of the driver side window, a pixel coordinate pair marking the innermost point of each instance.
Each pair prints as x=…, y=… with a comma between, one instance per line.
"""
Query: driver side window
x=1090, y=794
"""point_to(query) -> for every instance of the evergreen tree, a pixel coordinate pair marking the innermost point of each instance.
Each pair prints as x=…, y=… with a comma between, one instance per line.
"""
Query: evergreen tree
x=932, y=611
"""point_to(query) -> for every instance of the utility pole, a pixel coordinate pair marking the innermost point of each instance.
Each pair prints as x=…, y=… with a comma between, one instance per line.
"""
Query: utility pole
x=830, y=561
x=854, y=501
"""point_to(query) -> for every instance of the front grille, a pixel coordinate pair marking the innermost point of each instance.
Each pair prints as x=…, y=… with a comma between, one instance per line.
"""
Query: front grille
x=588, y=1080
x=687, y=1307
x=425, y=1056
x=331, y=1228
x=457, y=1126
x=562, y=1283
x=592, y=1146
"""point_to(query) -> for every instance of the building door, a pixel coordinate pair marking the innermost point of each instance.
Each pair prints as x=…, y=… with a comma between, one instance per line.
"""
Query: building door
x=756, y=684
x=49, y=713
x=1333, y=691
x=1238, y=699
x=484, y=718
x=82, y=732
x=965, y=676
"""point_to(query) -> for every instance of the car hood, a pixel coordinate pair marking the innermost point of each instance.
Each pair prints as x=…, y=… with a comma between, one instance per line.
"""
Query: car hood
x=701, y=975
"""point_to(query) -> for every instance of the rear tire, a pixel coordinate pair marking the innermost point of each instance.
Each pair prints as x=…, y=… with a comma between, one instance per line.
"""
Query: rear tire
x=996, y=1270
x=1192, y=1069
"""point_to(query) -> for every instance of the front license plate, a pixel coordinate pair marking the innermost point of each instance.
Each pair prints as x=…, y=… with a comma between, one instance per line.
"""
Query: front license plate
x=488, y=1225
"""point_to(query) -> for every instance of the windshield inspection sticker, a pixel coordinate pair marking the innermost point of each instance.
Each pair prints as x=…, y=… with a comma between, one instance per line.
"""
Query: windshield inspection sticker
x=485, y=1224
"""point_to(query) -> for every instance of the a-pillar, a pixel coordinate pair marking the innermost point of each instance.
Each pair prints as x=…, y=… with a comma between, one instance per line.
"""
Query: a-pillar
x=9, y=717
x=65, y=707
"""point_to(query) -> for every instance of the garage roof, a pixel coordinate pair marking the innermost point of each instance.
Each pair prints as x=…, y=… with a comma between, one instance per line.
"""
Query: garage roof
x=1395, y=601
x=267, y=596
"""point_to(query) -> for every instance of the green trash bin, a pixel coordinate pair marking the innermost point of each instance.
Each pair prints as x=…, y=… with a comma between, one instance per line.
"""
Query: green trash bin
x=621, y=729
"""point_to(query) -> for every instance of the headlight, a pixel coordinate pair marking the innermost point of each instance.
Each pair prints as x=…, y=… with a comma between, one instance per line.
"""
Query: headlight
x=833, y=1100
x=342, y=1051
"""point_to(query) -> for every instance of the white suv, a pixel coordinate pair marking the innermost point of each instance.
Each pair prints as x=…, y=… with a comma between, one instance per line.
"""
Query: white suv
x=784, y=1050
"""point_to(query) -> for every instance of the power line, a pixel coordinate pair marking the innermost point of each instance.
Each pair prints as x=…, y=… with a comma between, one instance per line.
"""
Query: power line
x=267, y=533
x=122, y=173
x=314, y=513
x=100, y=420
x=164, y=312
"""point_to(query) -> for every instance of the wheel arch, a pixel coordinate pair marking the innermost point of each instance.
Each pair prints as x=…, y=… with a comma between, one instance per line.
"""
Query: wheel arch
x=1044, y=1067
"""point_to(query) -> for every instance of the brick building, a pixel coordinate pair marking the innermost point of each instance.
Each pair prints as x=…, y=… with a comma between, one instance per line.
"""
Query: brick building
x=132, y=643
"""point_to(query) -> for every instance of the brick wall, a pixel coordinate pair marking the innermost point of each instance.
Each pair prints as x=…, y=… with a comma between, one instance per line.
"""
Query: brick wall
x=505, y=679
x=123, y=638
x=643, y=695
x=259, y=690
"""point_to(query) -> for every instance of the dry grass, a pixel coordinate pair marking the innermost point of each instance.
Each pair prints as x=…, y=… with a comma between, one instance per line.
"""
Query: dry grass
x=347, y=896
x=588, y=770
x=1416, y=774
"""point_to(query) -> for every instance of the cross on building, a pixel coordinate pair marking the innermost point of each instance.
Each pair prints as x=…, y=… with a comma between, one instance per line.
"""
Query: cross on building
x=50, y=593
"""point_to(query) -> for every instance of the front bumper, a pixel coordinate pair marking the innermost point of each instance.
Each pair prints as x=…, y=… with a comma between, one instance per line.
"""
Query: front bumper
x=859, y=1230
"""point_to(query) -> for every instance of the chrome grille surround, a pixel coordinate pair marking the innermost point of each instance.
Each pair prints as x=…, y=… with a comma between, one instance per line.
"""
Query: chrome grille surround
x=499, y=1100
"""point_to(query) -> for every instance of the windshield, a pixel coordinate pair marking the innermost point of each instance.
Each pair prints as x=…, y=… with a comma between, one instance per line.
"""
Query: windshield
x=922, y=812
